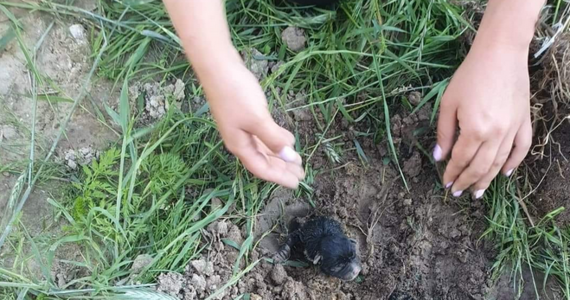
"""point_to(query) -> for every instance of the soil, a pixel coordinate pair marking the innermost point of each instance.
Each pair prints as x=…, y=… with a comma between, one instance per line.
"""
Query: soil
x=415, y=242
x=294, y=38
x=64, y=59
x=551, y=175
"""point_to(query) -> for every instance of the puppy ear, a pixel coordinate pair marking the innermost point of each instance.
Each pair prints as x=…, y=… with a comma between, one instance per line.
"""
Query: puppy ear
x=317, y=259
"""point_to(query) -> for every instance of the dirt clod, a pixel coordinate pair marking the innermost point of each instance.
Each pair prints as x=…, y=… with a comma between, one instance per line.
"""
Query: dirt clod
x=83, y=156
x=171, y=283
x=413, y=166
x=198, y=282
x=278, y=274
x=141, y=261
x=8, y=132
x=156, y=99
x=202, y=266
x=294, y=38
x=78, y=33
x=255, y=62
x=415, y=97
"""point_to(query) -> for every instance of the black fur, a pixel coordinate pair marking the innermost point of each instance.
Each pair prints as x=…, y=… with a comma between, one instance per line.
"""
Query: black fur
x=323, y=242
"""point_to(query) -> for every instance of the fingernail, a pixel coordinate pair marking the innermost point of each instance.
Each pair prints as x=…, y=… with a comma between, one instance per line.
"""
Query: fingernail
x=448, y=185
x=509, y=172
x=479, y=194
x=457, y=193
x=288, y=154
x=437, y=153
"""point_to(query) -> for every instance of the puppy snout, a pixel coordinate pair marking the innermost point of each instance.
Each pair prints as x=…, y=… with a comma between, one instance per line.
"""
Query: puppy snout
x=353, y=272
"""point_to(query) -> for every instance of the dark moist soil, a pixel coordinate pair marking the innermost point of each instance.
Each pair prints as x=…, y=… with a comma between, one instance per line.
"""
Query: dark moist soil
x=551, y=177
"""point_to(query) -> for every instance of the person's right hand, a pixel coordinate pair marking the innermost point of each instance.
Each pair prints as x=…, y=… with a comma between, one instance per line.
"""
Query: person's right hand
x=239, y=107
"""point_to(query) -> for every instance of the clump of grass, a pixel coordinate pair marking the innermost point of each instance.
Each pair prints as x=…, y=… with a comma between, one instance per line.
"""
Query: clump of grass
x=525, y=245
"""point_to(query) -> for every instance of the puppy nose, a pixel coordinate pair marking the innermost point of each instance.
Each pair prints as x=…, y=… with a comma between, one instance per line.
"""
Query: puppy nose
x=354, y=271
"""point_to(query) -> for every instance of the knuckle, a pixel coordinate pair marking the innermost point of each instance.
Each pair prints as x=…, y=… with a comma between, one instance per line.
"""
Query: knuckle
x=457, y=163
x=480, y=133
x=446, y=105
x=478, y=172
x=459, y=158
x=501, y=159
x=499, y=129
x=497, y=164
x=486, y=131
x=442, y=135
x=525, y=144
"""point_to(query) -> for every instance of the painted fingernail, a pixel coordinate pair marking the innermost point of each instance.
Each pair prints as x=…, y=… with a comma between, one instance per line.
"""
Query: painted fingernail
x=288, y=154
x=449, y=185
x=457, y=193
x=479, y=194
x=437, y=153
x=509, y=172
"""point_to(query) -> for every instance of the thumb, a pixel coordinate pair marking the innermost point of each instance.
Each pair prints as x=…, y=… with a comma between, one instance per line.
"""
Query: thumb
x=446, y=127
x=279, y=140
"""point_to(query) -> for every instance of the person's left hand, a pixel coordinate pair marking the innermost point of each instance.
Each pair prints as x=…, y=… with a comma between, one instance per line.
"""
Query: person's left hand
x=488, y=99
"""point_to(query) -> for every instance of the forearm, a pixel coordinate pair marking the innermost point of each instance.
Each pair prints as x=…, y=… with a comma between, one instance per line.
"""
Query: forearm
x=203, y=30
x=509, y=22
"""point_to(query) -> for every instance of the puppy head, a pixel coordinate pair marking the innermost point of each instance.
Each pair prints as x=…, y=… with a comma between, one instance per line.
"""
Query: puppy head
x=338, y=257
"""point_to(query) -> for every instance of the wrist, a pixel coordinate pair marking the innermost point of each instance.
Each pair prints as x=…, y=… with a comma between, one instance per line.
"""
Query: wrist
x=209, y=58
x=210, y=64
x=508, y=24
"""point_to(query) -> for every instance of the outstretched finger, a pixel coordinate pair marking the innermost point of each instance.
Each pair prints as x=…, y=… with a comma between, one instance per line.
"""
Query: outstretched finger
x=293, y=167
x=265, y=166
x=522, y=144
x=478, y=168
x=462, y=154
x=481, y=186
x=279, y=140
x=446, y=128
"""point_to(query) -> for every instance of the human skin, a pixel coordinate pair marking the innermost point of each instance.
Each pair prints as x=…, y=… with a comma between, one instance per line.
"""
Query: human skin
x=487, y=98
x=236, y=99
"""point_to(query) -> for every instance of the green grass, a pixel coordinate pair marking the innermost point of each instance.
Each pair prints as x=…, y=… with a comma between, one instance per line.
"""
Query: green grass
x=151, y=192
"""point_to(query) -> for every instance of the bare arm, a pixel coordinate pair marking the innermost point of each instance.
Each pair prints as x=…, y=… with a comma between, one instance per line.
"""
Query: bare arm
x=202, y=27
x=236, y=99
x=509, y=22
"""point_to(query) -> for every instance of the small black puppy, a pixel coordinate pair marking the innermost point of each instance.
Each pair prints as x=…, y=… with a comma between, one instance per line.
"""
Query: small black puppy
x=322, y=242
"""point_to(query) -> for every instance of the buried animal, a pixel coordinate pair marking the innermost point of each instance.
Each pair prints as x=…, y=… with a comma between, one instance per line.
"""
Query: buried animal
x=322, y=242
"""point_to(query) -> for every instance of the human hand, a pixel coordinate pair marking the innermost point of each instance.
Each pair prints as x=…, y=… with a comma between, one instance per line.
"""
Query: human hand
x=239, y=107
x=235, y=97
x=488, y=99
